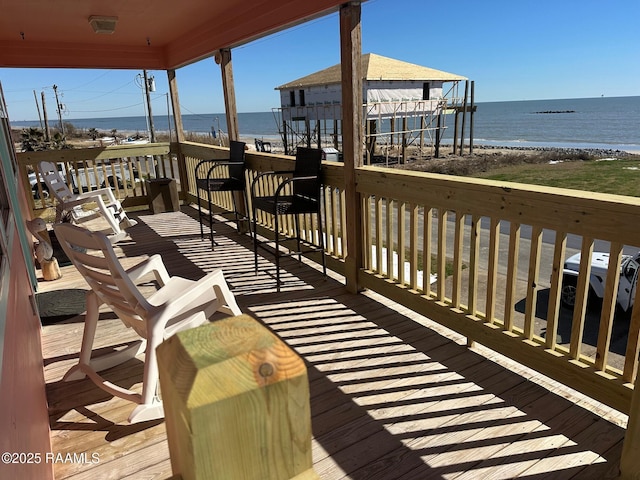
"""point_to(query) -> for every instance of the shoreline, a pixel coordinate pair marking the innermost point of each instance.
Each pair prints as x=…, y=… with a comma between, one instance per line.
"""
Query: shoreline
x=478, y=148
x=278, y=146
x=544, y=149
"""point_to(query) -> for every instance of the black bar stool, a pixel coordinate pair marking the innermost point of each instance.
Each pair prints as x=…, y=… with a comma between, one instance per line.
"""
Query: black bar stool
x=298, y=192
x=223, y=175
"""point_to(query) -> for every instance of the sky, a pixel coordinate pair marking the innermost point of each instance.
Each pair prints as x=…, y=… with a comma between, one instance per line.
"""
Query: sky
x=512, y=50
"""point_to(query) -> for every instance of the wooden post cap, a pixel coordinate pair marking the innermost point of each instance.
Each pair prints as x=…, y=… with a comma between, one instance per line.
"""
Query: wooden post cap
x=236, y=401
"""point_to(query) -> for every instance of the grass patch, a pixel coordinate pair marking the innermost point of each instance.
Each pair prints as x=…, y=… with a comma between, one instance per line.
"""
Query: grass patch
x=581, y=170
x=621, y=177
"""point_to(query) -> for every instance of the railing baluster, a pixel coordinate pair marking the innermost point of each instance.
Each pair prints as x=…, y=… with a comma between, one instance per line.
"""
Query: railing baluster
x=379, y=242
x=553, y=309
x=582, y=290
x=130, y=186
x=492, y=267
x=85, y=167
x=343, y=219
x=426, y=250
x=512, y=276
x=442, y=252
x=326, y=214
x=413, y=247
x=332, y=222
x=389, y=236
x=304, y=224
x=336, y=224
x=114, y=176
x=474, y=255
x=532, y=281
x=367, y=241
x=172, y=167
x=142, y=171
x=39, y=184
x=401, y=241
x=457, y=259
x=608, y=305
x=104, y=176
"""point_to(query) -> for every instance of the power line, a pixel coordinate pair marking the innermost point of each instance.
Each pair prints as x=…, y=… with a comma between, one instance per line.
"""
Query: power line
x=91, y=81
x=105, y=93
x=108, y=110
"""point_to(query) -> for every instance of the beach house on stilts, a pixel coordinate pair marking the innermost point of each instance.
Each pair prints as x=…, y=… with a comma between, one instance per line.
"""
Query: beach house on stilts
x=404, y=105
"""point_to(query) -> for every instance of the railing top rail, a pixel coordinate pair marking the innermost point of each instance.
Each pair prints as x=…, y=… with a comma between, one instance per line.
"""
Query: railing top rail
x=605, y=216
x=93, y=153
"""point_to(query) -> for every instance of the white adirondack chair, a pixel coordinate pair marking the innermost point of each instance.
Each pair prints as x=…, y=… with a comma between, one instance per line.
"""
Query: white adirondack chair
x=178, y=304
x=67, y=201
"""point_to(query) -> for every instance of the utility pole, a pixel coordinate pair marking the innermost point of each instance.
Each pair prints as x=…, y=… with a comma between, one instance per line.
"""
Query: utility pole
x=47, y=134
x=55, y=90
x=152, y=133
x=38, y=108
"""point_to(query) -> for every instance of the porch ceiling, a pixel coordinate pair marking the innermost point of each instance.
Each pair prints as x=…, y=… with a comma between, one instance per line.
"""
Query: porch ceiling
x=158, y=35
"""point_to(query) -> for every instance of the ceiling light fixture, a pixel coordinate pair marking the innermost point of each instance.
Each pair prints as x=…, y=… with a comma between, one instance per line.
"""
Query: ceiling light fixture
x=102, y=24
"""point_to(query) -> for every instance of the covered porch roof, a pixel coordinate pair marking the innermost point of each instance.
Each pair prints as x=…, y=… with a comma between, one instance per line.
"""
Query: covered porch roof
x=158, y=35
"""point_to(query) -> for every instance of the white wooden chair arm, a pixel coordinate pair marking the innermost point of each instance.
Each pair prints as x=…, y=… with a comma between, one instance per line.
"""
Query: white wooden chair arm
x=152, y=264
x=99, y=192
x=71, y=202
x=214, y=280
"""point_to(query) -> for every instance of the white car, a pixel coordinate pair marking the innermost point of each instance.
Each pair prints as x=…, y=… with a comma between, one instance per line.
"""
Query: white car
x=599, y=265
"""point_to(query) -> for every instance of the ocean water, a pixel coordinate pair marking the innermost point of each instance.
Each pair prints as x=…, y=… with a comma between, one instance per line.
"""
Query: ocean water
x=582, y=123
x=603, y=123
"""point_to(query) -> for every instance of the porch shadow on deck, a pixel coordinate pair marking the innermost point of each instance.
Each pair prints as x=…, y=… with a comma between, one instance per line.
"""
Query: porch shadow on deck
x=392, y=397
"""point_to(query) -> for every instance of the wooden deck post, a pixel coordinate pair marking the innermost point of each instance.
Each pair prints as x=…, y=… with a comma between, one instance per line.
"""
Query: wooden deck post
x=630, y=460
x=177, y=120
x=236, y=402
x=438, y=135
x=464, y=116
x=404, y=141
x=372, y=130
x=351, y=53
x=472, y=111
x=455, y=131
x=224, y=59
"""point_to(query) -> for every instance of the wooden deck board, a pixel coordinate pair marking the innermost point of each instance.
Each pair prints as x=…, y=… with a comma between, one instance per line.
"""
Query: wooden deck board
x=393, y=395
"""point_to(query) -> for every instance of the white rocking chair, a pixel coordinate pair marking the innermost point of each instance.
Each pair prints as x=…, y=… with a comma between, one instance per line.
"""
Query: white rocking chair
x=178, y=304
x=67, y=201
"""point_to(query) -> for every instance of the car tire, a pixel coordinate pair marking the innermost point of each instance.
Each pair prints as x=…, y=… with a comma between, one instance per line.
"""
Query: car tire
x=568, y=292
x=36, y=192
x=111, y=182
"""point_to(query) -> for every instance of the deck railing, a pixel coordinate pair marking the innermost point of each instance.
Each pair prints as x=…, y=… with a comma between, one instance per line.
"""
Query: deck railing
x=125, y=168
x=482, y=258
x=496, y=251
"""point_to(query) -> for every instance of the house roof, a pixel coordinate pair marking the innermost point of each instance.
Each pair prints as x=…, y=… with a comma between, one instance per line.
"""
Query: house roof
x=375, y=67
x=157, y=34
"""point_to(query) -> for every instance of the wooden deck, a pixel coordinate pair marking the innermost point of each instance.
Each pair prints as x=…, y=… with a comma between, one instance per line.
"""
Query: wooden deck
x=393, y=395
